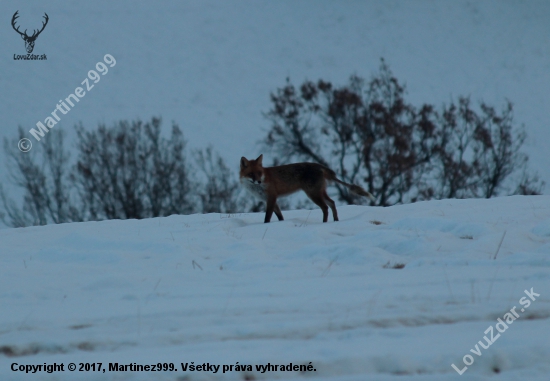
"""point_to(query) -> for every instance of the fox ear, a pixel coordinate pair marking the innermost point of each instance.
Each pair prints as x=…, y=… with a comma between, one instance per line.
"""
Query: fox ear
x=244, y=162
x=259, y=159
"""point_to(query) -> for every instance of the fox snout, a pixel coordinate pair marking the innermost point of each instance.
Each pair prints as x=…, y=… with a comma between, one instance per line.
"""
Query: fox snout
x=254, y=179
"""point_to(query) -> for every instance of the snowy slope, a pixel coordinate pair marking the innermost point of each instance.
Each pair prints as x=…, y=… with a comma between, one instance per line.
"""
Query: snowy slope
x=223, y=289
x=209, y=65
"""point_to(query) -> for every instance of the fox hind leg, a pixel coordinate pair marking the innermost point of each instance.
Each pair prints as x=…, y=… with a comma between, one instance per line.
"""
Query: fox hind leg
x=332, y=205
x=318, y=199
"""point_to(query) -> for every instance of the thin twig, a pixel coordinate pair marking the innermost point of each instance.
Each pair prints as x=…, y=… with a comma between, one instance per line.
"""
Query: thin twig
x=307, y=218
x=498, y=248
x=264, y=233
x=196, y=264
x=325, y=272
x=156, y=285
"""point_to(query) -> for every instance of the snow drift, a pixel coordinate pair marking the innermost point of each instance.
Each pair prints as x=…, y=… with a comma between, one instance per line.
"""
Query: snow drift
x=384, y=293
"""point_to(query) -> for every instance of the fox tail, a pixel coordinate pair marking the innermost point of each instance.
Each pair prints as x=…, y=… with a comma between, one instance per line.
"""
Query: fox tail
x=331, y=175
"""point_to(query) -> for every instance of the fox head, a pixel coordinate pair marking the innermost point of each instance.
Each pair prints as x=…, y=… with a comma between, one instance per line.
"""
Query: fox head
x=252, y=170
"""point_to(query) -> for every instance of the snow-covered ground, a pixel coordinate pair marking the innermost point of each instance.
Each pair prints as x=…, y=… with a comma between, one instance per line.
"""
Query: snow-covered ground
x=223, y=289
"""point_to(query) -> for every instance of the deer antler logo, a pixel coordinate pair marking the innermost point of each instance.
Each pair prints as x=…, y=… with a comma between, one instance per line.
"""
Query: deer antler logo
x=29, y=40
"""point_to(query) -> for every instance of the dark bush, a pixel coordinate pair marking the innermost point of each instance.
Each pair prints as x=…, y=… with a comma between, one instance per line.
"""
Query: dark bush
x=369, y=134
x=125, y=171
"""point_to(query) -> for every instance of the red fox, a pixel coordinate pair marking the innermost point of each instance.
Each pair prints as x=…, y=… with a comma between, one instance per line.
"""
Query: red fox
x=269, y=183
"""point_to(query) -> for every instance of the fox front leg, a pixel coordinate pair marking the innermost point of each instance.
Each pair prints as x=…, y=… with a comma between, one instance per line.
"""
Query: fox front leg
x=271, y=203
x=278, y=213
